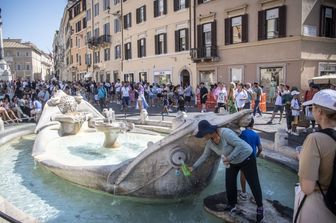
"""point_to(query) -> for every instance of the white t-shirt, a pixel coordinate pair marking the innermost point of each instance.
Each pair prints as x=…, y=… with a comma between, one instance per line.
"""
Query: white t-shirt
x=221, y=95
x=241, y=98
x=278, y=100
x=37, y=105
x=125, y=91
x=295, y=105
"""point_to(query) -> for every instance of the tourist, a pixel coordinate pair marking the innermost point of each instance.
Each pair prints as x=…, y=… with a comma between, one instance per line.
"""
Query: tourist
x=240, y=96
x=249, y=92
x=295, y=107
x=36, y=108
x=253, y=139
x=257, y=98
x=236, y=155
x=231, y=102
x=316, y=162
x=204, y=96
x=286, y=101
x=101, y=96
x=278, y=105
x=188, y=94
x=125, y=96
x=221, y=97
x=313, y=89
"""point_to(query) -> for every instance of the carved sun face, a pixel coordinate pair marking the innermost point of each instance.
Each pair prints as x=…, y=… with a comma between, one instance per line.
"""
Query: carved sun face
x=67, y=104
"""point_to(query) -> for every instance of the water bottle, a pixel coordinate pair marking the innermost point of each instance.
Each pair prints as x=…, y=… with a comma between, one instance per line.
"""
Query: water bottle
x=185, y=170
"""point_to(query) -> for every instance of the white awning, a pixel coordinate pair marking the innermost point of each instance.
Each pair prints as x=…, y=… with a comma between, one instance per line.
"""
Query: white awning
x=325, y=79
x=88, y=75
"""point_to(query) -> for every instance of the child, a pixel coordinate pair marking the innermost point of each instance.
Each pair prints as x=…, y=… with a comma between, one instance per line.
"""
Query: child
x=295, y=107
x=253, y=139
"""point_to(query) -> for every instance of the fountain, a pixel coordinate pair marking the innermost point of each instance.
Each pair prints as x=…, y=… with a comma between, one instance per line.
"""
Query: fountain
x=148, y=172
x=145, y=165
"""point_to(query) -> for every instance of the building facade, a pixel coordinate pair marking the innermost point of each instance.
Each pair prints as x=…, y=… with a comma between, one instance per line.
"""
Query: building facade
x=192, y=41
x=268, y=41
x=27, y=61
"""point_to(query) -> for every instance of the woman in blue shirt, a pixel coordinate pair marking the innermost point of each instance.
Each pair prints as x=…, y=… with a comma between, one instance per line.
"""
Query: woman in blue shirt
x=237, y=156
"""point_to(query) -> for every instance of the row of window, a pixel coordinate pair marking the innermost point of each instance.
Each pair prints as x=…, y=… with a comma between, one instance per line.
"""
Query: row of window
x=22, y=67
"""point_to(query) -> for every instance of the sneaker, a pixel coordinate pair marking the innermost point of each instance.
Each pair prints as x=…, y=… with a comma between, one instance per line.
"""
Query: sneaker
x=260, y=214
x=230, y=208
x=243, y=196
x=295, y=133
x=269, y=122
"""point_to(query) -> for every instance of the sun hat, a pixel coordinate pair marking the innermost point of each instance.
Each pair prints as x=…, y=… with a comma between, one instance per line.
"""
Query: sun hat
x=204, y=127
x=325, y=98
x=295, y=93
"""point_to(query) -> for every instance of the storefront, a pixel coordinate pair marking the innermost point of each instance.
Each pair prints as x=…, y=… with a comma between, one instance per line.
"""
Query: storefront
x=270, y=77
x=208, y=77
x=162, y=76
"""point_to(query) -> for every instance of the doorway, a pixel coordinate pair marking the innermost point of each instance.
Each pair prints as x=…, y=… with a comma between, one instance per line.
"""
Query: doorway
x=185, y=78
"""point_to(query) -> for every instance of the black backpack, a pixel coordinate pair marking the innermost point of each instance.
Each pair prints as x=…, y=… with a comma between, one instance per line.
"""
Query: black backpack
x=330, y=196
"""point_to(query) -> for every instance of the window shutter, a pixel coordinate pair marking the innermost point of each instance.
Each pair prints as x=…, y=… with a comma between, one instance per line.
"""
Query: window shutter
x=282, y=21
x=155, y=8
x=200, y=1
x=333, y=31
x=144, y=12
x=177, y=41
x=130, y=51
x=187, y=3
x=261, y=25
x=245, y=28
x=164, y=7
x=228, y=31
x=125, y=21
x=187, y=38
x=144, y=48
x=126, y=53
x=213, y=36
x=176, y=5
x=200, y=41
x=156, y=44
x=322, y=21
x=165, y=42
x=139, y=48
x=130, y=19
x=137, y=16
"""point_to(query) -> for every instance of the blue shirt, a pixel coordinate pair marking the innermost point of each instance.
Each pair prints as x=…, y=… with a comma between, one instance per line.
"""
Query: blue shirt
x=252, y=138
x=230, y=145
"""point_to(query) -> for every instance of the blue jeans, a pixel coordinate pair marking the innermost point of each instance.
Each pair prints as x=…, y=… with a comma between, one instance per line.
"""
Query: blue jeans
x=256, y=108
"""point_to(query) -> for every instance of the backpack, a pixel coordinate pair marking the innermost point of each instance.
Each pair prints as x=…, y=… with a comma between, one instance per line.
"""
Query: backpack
x=330, y=196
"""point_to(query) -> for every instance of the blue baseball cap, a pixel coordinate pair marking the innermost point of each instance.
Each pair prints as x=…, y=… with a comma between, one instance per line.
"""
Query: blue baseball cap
x=204, y=127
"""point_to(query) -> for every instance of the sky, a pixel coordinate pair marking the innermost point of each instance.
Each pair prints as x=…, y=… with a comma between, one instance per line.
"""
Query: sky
x=32, y=20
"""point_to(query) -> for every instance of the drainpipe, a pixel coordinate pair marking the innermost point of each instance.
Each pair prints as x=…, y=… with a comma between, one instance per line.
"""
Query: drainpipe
x=92, y=36
x=122, y=37
x=195, y=24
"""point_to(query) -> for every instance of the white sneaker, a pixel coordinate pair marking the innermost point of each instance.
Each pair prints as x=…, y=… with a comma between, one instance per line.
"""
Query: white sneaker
x=295, y=133
x=243, y=196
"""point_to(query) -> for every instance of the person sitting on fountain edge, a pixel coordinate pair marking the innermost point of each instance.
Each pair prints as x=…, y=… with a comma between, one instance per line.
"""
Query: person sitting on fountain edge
x=236, y=155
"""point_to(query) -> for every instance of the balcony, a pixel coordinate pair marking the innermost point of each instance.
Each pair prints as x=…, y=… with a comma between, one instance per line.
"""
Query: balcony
x=204, y=54
x=104, y=40
x=93, y=42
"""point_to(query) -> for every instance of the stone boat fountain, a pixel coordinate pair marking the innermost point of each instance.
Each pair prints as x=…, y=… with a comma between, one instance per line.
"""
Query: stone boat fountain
x=70, y=126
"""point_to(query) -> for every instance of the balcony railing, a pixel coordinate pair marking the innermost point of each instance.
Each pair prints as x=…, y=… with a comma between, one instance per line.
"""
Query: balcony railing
x=93, y=42
x=204, y=53
x=104, y=39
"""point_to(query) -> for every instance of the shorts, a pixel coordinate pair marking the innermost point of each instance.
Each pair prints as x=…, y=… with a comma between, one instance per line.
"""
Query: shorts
x=203, y=100
x=278, y=108
x=295, y=120
x=187, y=98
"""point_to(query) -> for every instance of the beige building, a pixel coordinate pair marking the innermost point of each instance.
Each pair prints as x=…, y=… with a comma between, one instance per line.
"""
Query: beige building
x=27, y=61
x=268, y=41
x=163, y=41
